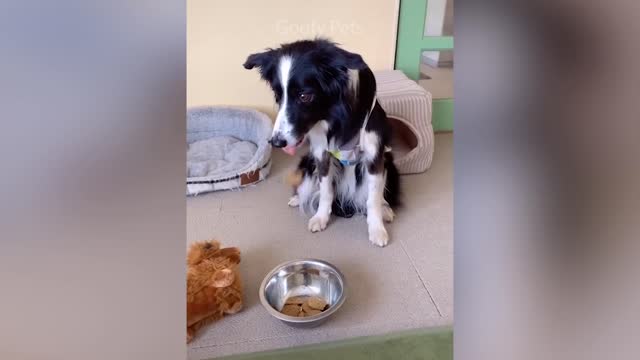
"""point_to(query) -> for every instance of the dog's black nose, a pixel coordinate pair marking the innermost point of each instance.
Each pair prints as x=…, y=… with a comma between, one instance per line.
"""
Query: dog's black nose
x=278, y=141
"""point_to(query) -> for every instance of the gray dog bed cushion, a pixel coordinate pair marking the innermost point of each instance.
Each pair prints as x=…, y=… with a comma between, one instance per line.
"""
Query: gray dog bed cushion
x=218, y=156
x=226, y=148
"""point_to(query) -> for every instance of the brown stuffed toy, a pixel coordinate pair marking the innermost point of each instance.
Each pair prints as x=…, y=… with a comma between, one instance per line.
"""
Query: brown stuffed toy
x=213, y=284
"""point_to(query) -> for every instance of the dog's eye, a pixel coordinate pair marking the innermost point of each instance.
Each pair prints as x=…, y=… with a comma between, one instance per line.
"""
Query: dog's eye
x=305, y=97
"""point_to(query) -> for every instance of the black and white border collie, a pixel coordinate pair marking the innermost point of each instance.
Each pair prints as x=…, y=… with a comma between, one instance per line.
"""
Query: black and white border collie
x=328, y=96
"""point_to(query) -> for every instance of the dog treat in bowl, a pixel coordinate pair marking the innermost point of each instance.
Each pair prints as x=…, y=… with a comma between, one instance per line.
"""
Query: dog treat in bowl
x=316, y=303
x=291, y=310
x=302, y=306
x=297, y=300
x=312, y=312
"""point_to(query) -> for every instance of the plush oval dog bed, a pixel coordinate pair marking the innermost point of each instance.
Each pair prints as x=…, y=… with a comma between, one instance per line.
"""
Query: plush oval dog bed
x=227, y=148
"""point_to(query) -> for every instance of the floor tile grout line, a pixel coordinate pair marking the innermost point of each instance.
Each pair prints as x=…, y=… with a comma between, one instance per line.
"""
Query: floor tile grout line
x=424, y=284
x=256, y=340
x=241, y=342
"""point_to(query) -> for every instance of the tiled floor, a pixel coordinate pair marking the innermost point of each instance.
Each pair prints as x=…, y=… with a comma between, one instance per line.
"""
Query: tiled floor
x=407, y=285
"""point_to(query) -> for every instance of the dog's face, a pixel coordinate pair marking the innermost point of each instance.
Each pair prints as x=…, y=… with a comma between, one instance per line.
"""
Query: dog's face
x=309, y=79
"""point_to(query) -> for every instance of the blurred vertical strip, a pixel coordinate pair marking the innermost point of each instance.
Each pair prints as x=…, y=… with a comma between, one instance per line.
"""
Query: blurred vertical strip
x=547, y=179
x=92, y=208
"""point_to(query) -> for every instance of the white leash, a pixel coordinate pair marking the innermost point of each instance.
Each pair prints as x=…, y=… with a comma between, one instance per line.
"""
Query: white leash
x=351, y=156
x=366, y=119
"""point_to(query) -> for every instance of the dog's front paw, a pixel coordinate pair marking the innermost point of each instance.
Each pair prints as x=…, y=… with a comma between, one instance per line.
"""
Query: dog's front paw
x=378, y=236
x=294, y=201
x=318, y=223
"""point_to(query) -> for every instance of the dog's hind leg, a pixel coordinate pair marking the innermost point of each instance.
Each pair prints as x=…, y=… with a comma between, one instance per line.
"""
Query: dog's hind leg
x=294, y=201
x=387, y=213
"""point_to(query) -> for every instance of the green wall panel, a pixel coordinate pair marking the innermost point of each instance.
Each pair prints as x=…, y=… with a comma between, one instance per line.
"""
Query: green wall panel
x=442, y=116
x=410, y=44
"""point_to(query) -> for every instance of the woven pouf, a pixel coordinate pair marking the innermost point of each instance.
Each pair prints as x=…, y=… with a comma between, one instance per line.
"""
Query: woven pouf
x=408, y=105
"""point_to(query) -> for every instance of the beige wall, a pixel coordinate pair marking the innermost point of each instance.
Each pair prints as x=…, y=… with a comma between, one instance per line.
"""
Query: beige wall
x=221, y=34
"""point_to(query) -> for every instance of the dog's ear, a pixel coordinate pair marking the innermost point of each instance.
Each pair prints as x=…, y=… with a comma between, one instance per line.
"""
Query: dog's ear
x=260, y=60
x=353, y=61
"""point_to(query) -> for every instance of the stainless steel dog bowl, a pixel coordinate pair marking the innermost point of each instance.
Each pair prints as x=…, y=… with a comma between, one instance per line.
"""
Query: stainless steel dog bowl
x=306, y=277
